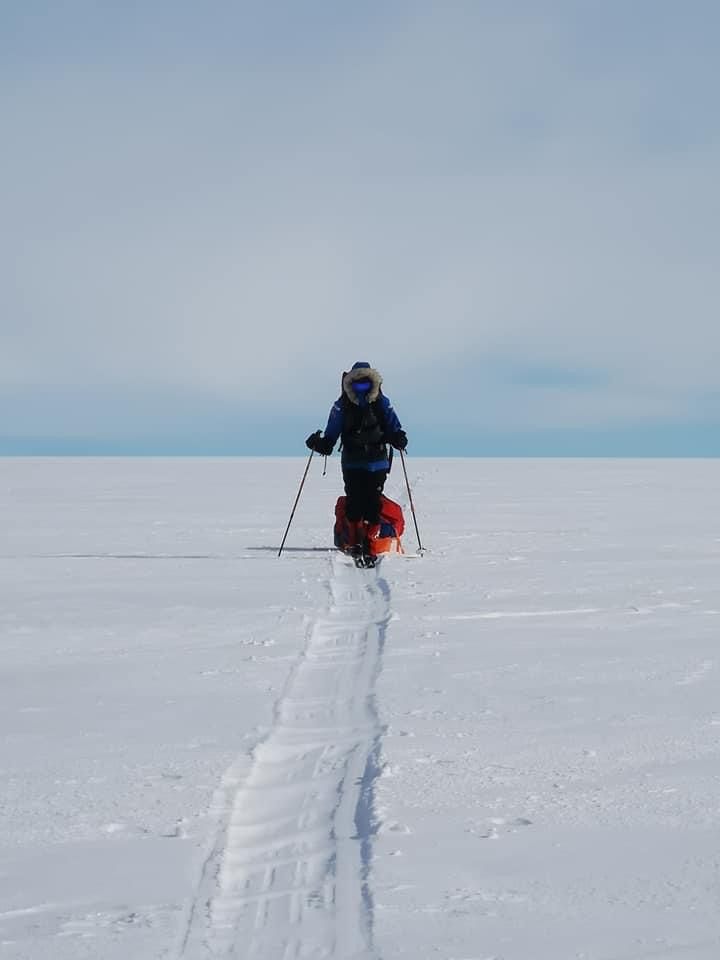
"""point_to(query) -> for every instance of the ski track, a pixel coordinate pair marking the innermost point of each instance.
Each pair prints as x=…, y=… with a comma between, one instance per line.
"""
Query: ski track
x=288, y=876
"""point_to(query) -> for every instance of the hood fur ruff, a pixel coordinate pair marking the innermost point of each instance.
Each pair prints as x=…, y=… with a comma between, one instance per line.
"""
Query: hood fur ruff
x=362, y=373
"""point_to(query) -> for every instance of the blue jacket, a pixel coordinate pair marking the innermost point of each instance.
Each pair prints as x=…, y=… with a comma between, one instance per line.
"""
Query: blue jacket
x=365, y=438
x=336, y=422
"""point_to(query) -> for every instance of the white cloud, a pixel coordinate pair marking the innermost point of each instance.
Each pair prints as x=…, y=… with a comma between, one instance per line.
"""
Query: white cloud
x=460, y=186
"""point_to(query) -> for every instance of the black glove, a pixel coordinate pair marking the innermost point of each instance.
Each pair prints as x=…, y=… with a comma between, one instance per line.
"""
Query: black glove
x=399, y=440
x=319, y=444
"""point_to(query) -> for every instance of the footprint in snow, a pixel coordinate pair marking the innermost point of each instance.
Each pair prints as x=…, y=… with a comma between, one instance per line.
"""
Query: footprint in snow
x=493, y=833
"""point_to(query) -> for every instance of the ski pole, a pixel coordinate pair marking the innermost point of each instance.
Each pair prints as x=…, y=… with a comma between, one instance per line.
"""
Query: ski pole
x=412, y=505
x=297, y=498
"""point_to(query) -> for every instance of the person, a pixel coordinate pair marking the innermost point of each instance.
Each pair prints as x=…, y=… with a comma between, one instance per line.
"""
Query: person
x=364, y=419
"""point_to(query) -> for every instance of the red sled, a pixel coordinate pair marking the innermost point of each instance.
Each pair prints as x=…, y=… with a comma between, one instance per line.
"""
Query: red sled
x=383, y=537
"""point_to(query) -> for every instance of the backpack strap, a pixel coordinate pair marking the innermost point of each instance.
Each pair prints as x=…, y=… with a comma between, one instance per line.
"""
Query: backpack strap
x=379, y=411
x=344, y=402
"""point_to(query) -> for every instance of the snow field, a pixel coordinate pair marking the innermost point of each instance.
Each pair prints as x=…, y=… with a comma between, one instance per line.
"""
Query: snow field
x=505, y=750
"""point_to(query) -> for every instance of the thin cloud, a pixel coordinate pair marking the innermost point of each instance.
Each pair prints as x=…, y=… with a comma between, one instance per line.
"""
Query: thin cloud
x=535, y=183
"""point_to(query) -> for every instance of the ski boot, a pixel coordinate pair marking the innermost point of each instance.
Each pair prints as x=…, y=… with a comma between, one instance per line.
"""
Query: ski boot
x=365, y=558
x=354, y=546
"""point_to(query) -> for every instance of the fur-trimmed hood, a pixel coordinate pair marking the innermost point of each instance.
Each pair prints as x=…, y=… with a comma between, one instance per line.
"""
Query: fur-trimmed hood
x=362, y=373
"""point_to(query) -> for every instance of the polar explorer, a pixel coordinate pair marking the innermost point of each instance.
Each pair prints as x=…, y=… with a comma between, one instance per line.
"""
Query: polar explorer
x=364, y=420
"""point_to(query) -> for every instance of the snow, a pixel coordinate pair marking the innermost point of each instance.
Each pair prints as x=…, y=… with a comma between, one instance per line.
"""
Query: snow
x=504, y=750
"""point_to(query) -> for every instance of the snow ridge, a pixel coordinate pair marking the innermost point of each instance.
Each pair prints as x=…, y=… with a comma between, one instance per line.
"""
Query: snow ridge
x=287, y=878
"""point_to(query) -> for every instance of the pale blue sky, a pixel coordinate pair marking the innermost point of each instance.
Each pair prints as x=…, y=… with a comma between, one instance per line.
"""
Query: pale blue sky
x=210, y=210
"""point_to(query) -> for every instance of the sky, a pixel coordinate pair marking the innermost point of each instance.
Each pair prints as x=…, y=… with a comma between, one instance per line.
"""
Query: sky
x=509, y=207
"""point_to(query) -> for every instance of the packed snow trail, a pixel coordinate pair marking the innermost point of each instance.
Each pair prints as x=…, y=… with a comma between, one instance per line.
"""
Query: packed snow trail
x=288, y=876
